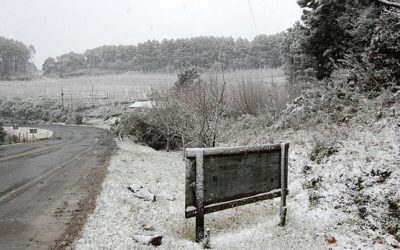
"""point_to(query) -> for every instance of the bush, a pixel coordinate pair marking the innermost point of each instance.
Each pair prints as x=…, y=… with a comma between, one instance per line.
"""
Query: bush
x=78, y=119
x=138, y=126
x=322, y=148
x=325, y=101
x=58, y=115
x=26, y=109
x=192, y=111
x=3, y=135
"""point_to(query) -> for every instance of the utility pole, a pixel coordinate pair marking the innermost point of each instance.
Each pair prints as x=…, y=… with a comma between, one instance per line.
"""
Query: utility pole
x=92, y=96
x=62, y=99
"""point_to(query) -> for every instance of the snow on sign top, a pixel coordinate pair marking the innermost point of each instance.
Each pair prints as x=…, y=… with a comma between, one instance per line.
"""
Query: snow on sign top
x=222, y=178
x=232, y=173
x=141, y=104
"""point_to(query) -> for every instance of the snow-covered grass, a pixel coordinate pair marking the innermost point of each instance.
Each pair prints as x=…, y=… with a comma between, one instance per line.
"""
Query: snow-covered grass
x=119, y=215
x=354, y=188
x=340, y=201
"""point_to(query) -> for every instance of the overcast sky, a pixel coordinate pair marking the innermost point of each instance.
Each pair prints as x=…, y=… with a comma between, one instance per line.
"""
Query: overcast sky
x=55, y=27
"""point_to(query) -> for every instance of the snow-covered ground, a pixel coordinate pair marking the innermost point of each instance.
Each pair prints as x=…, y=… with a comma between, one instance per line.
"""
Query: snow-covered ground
x=119, y=215
x=346, y=199
x=23, y=132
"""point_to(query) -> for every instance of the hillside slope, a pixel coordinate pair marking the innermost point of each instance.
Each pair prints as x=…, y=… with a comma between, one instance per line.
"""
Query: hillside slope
x=344, y=183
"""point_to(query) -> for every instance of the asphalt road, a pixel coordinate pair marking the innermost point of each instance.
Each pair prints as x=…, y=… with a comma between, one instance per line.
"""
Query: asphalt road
x=42, y=183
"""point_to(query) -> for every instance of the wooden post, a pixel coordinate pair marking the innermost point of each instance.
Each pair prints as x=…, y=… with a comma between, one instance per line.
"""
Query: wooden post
x=62, y=99
x=92, y=96
x=284, y=161
x=199, y=196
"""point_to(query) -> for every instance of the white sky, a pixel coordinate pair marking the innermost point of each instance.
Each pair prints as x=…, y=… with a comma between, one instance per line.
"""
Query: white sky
x=55, y=27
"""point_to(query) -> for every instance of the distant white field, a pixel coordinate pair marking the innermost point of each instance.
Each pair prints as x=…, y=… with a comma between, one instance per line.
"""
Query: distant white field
x=88, y=89
x=105, y=89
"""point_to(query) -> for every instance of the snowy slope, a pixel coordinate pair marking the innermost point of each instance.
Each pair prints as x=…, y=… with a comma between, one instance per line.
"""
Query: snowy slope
x=344, y=182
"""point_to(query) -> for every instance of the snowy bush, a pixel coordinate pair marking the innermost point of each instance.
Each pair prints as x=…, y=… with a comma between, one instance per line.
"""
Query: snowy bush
x=27, y=109
x=140, y=128
x=325, y=101
x=3, y=135
x=322, y=148
x=78, y=119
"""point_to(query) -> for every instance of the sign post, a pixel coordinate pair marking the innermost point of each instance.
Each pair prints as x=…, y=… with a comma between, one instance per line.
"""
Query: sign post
x=33, y=131
x=222, y=178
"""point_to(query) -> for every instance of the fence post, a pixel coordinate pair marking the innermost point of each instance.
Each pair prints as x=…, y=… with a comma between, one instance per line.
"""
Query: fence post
x=284, y=161
x=199, y=196
x=62, y=99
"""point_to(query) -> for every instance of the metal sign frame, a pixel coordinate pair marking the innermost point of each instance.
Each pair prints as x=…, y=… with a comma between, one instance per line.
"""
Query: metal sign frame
x=196, y=158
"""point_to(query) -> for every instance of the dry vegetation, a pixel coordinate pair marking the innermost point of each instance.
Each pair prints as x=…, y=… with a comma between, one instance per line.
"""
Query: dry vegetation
x=195, y=109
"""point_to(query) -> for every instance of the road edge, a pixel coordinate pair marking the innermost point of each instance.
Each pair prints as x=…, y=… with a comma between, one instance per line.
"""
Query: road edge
x=87, y=204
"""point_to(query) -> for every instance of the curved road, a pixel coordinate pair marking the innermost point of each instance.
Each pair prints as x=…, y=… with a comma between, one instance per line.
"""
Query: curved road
x=42, y=183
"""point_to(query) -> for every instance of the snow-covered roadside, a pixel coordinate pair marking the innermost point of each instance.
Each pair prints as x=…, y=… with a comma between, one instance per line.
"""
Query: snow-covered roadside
x=100, y=123
x=340, y=201
x=23, y=132
x=119, y=215
x=354, y=187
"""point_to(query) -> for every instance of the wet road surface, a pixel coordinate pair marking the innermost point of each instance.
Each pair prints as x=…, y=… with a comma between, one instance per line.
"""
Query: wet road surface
x=41, y=184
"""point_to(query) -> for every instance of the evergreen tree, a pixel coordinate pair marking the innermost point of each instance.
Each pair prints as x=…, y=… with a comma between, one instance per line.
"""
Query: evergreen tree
x=325, y=37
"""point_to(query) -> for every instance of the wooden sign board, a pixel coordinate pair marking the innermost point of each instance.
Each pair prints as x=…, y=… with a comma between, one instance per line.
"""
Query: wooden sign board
x=33, y=130
x=222, y=178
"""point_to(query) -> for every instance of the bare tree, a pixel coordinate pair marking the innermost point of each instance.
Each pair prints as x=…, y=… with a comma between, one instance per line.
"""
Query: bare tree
x=193, y=111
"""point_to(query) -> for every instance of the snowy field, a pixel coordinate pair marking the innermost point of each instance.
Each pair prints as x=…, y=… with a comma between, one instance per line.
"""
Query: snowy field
x=105, y=89
x=88, y=89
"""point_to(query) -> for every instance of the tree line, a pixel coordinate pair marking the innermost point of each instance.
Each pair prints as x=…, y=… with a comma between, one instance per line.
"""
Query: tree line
x=15, y=59
x=361, y=37
x=173, y=55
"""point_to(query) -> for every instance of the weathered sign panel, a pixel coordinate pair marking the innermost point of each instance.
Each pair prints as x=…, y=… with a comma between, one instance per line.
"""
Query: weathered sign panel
x=221, y=178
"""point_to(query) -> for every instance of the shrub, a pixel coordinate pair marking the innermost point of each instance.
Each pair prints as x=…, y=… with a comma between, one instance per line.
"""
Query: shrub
x=322, y=148
x=78, y=119
x=58, y=115
x=138, y=126
x=26, y=109
x=325, y=101
x=3, y=135
x=192, y=111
